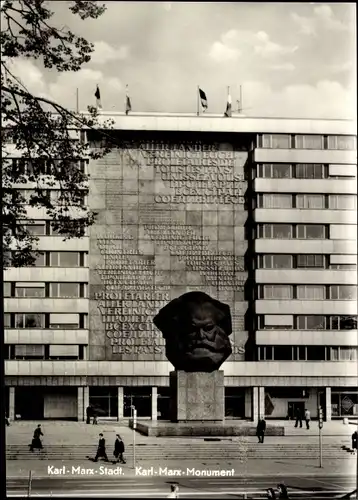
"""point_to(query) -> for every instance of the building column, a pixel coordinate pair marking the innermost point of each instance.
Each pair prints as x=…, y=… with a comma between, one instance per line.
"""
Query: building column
x=255, y=404
x=11, y=403
x=261, y=397
x=328, y=404
x=85, y=401
x=120, y=403
x=80, y=405
x=154, y=403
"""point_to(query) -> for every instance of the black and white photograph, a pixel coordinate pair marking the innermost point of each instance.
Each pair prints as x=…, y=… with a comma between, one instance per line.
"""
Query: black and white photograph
x=179, y=249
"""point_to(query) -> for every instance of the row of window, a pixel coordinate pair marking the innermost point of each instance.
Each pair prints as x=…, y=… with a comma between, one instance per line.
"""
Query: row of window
x=34, y=289
x=55, y=196
x=42, y=228
x=305, y=141
x=307, y=292
x=64, y=321
x=306, y=353
x=43, y=166
x=44, y=352
x=295, y=171
x=300, y=261
x=290, y=231
x=308, y=201
x=306, y=322
x=62, y=259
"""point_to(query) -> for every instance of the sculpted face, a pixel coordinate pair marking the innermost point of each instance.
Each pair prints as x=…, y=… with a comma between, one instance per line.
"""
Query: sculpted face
x=196, y=329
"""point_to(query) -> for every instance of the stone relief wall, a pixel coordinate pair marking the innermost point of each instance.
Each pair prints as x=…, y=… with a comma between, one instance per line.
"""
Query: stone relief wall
x=170, y=220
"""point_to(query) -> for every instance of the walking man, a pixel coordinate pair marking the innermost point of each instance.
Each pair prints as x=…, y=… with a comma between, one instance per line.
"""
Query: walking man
x=88, y=414
x=354, y=441
x=260, y=430
x=307, y=418
x=36, y=441
x=7, y=420
x=101, y=450
x=298, y=418
x=282, y=491
x=119, y=449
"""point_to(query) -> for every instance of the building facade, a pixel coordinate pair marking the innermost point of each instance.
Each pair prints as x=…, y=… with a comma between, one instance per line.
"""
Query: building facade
x=259, y=213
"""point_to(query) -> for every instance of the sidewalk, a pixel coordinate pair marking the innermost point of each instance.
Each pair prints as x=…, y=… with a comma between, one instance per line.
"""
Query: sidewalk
x=79, y=433
x=284, y=467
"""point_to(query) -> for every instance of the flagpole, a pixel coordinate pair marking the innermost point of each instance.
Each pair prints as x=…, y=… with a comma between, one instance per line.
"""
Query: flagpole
x=77, y=101
x=197, y=101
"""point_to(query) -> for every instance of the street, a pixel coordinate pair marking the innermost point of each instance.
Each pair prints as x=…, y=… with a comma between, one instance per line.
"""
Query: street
x=147, y=487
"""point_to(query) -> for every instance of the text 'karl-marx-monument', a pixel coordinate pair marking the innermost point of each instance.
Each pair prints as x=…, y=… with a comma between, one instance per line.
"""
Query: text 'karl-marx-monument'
x=196, y=330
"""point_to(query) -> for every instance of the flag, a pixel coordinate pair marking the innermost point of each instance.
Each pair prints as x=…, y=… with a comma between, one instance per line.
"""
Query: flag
x=203, y=99
x=228, y=106
x=98, y=98
x=128, y=102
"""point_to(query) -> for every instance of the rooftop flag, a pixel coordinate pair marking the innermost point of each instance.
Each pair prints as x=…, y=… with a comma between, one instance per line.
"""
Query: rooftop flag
x=228, y=104
x=128, y=101
x=98, y=98
x=203, y=99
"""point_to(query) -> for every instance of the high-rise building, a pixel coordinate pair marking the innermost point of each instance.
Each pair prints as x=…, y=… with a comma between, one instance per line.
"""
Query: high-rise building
x=259, y=213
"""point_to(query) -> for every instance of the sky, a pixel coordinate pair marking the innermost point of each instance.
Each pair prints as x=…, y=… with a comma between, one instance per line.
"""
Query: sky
x=291, y=59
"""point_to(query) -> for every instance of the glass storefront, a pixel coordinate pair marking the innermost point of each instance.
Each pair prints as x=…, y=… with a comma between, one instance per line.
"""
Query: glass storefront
x=104, y=400
x=140, y=398
x=344, y=403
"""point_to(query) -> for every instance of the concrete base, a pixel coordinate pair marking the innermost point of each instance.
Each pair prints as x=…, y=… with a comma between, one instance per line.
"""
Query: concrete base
x=197, y=396
x=166, y=428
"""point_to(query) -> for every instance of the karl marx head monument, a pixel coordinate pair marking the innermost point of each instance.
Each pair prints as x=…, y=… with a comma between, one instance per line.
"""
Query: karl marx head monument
x=196, y=329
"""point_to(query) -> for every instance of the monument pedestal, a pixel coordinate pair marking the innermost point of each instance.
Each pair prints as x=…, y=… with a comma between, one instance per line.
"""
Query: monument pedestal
x=197, y=396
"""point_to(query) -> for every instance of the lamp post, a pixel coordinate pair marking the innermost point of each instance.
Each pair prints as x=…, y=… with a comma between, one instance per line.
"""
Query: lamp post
x=320, y=426
x=134, y=423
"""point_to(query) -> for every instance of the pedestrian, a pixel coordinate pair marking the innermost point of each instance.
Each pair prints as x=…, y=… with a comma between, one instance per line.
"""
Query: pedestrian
x=354, y=441
x=307, y=418
x=36, y=440
x=282, y=491
x=174, y=491
x=89, y=414
x=7, y=421
x=298, y=418
x=94, y=413
x=101, y=450
x=260, y=430
x=119, y=449
x=271, y=493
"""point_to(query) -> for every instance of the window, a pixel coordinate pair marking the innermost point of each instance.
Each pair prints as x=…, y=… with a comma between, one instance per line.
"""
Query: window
x=29, y=320
x=343, y=322
x=277, y=261
x=7, y=289
x=34, y=290
x=343, y=292
x=30, y=351
x=347, y=142
x=311, y=292
x=313, y=201
x=7, y=320
x=311, y=322
x=64, y=321
x=277, y=292
x=57, y=351
x=274, y=201
x=311, y=231
x=36, y=229
x=316, y=353
x=343, y=266
x=342, y=202
x=305, y=261
x=280, y=231
x=283, y=353
x=347, y=353
x=64, y=259
x=310, y=171
x=67, y=290
x=275, y=171
x=276, y=141
x=309, y=142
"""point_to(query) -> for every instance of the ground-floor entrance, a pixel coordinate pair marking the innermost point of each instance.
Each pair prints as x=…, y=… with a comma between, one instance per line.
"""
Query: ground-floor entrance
x=117, y=402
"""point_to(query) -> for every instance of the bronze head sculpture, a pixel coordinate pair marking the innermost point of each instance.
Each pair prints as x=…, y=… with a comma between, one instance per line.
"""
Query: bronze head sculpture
x=196, y=329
